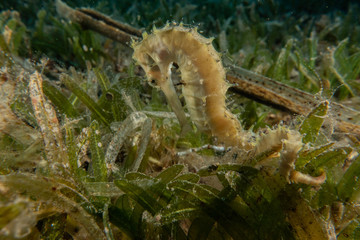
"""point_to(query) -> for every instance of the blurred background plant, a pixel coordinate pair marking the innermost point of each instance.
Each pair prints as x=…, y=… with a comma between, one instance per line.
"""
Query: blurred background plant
x=90, y=151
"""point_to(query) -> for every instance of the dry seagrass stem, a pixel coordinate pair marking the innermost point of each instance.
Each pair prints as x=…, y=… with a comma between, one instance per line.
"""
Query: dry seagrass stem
x=90, y=19
x=110, y=22
x=260, y=87
x=274, y=93
x=202, y=75
x=47, y=120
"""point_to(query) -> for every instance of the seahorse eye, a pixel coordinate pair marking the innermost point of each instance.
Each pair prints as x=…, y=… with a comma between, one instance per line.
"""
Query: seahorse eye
x=153, y=81
x=175, y=65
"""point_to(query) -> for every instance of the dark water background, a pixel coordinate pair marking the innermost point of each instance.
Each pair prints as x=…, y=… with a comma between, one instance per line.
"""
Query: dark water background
x=272, y=21
x=197, y=11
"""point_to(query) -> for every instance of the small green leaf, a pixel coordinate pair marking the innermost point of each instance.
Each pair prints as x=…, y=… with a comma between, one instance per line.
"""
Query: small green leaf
x=306, y=156
x=327, y=194
x=339, y=53
x=180, y=211
x=313, y=122
x=351, y=232
x=10, y=212
x=112, y=101
x=170, y=173
x=98, y=112
x=249, y=115
x=354, y=61
x=307, y=71
x=136, y=218
x=120, y=218
x=59, y=100
x=220, y=211
x=214, y=169
x=200, y=228
x=18, y=39
x=53, y=227
x=328, y=159
x=357, y=233
x=350, y=181
x=305, y=223
x=312, y=43
x=3, y=46
x=224, y=181
x=280, y=70
x=102, y=189
x=72, y=152
x=342, y=68
x=137, y=176
x=191, y=177
x=162, y=180
x=123, y=202
x=140, y=195
x=273, y=223
x=255, y=190
x=97, y=153
x=103, y=80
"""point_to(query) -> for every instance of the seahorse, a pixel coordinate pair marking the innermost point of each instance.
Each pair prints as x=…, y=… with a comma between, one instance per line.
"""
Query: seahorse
x=204, y=88
x=202, y=77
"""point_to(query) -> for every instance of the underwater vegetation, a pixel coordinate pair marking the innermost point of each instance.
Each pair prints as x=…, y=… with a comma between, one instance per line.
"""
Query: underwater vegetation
x=120, y=140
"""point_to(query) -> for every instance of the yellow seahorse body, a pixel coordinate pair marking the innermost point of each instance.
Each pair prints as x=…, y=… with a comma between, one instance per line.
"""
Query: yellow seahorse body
x=202, y=75
x=204, y=88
